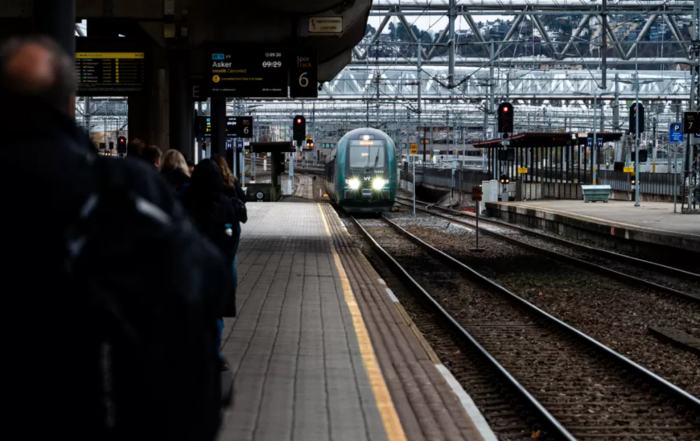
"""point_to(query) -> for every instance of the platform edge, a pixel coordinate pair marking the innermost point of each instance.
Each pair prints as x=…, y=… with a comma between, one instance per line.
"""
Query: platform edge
x=390, y=417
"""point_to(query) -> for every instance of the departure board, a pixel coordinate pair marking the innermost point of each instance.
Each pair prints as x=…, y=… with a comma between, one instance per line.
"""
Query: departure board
x=249, y=71
x=111, y=73
x=236, y=126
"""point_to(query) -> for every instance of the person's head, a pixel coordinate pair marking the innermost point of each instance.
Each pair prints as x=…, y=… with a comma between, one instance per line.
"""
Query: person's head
x=37, y=67
x=226, y=172
x=190, y=166
x=173, y=160
x=152, y=155
x=206, y=179
x=135, y=148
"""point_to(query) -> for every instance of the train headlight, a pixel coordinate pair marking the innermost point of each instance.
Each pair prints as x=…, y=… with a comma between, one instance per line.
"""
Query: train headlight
x=378, y=183
x=354, y=183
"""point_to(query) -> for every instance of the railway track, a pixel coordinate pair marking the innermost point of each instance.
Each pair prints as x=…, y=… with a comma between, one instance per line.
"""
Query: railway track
x=573, y=386
x=631, y=270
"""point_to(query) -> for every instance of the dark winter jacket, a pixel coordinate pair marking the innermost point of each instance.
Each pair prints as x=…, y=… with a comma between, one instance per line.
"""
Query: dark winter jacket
x=178, y=181
x=209, y=207
x=47, y=178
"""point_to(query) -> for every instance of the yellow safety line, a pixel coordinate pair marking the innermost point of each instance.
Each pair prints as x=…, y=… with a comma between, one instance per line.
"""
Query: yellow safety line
x=390, y=418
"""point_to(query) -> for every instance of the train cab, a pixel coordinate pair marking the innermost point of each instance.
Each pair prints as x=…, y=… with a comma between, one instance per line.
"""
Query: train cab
x=361, y=171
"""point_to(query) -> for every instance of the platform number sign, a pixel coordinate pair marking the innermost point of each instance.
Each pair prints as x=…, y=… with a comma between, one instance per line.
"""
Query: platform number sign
x=303, y=74
x=691, y=122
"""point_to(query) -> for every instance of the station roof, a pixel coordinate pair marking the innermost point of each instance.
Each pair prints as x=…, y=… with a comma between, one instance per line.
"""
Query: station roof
x=548, y=139
x=271, y=147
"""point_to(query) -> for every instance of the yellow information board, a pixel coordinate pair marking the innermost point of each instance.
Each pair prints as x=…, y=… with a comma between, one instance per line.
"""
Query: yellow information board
x=413, y=149
x=522, y=170
x=628, y=169
x=110, y=73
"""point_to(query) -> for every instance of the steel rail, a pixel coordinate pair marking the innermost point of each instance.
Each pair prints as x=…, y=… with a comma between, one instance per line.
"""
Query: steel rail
x=686, y=401
x=578, y=262
x=669, y=270
x=548, y=421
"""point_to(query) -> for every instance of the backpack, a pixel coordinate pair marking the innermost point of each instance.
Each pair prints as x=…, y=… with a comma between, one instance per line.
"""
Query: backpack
x=154, y=289
x=241, y=210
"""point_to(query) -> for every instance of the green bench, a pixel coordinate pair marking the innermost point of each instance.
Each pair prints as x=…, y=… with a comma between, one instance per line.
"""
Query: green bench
x=595, y=193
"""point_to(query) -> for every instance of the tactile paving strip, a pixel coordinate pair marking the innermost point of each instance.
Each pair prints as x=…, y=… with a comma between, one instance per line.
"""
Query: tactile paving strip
x=426, y=404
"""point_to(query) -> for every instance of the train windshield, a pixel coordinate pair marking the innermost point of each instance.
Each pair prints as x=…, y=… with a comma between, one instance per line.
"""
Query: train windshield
x=366, y=154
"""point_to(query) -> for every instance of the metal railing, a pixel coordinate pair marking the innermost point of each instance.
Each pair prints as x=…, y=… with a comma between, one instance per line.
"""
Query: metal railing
x=651, y=183
x=464, y=180
x=558, y=184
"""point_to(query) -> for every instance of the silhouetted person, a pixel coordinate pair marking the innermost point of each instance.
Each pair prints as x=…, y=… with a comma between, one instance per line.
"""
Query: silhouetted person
x=152, y=155
x=71, y=368
x=174, y=169
x=135, y=148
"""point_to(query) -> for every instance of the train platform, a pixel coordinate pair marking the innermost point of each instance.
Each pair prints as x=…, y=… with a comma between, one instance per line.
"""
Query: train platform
x=321, y=351
x=652, y=223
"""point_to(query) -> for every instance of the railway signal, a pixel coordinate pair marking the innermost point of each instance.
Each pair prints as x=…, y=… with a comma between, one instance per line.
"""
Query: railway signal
x=633, y=118
x=299, y=129
x=121, y=145
x=505, y=118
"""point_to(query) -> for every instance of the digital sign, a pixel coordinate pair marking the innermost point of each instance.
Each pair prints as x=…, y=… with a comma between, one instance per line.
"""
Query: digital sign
x=251, y=72
x=111, y=73
x=236, y=126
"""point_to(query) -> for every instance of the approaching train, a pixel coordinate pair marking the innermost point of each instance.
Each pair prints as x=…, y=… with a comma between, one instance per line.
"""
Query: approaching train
x=361, y=172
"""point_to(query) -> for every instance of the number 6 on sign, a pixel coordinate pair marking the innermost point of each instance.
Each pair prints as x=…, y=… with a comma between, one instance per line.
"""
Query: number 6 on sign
x=303, y=79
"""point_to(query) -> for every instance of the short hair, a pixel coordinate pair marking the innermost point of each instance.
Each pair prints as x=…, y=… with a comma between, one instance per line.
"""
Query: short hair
x=151, y=154
x=135, y=148
x=173, y=160
x=64, y=84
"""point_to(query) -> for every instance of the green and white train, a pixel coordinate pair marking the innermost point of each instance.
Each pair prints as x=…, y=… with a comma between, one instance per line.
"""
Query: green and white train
x=361, y=172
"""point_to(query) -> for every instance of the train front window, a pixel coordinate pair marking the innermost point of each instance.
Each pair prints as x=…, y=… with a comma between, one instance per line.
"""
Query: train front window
x=366, y=154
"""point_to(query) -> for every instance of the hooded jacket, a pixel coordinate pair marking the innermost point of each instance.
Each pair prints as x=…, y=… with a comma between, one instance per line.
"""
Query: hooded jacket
x=210, y=208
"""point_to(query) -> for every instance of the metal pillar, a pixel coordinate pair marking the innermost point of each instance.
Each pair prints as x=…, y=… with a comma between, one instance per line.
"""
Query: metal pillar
x=419, y=56
x=653, y=145
x=595, y=139
x=636, y=138
x=604, y=46
x=492, y=85
x=616, y=109
x=452, y=43
x=218, y=126
x=56, y=18
x=181, y=107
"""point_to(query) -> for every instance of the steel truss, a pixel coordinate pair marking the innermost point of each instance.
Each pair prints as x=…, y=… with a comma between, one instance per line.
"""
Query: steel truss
x=393, y=82
x=598, y=25
x=463, y=74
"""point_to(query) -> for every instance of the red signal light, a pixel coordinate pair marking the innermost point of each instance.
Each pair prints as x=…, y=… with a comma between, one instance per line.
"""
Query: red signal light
x=298, y=121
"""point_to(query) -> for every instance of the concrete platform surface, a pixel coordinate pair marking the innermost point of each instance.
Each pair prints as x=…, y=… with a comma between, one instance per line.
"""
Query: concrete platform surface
x=302, y=350
x=650, y=228
x=654, y=215
x=298, y=371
